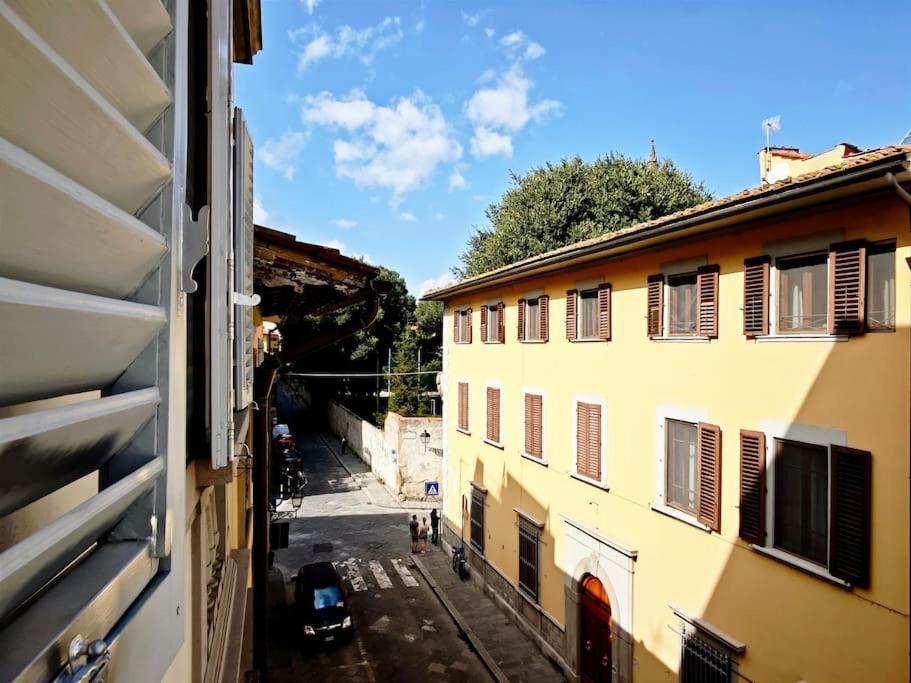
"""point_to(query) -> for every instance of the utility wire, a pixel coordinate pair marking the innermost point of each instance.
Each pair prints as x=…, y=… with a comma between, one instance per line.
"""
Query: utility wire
x=359, y=374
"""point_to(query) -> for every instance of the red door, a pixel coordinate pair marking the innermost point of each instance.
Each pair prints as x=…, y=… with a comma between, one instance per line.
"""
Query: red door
x=595, y=630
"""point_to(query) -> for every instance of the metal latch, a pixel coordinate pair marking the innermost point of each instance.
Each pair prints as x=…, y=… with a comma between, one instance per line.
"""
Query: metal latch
x=86, y=661
x=245, y=299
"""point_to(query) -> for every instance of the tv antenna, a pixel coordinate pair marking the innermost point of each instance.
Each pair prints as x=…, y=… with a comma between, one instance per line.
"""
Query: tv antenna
x=773, y=123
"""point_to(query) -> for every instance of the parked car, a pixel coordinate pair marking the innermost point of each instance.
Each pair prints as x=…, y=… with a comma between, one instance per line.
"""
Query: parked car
x=320, y=602
x=282, y=438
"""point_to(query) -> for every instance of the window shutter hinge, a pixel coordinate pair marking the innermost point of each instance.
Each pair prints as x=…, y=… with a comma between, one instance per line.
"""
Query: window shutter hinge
x=245, y=299
x=86, y=661
x=192, y=245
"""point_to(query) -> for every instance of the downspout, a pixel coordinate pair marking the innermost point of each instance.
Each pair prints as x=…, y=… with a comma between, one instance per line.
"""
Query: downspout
x=899, y=190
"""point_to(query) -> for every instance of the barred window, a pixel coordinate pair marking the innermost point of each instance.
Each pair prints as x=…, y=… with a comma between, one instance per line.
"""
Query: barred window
x=529, y=535
x=477, y=520
x=700, y=662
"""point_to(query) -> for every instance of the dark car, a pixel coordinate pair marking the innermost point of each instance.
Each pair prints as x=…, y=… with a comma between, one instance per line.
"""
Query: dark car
x=320, y=602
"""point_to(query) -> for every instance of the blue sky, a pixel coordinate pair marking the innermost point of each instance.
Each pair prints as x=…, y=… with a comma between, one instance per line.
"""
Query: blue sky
x=386, y=128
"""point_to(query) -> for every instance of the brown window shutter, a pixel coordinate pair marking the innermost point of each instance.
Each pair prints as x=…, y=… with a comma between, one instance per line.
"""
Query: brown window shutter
x=463, y=406
x=708, y=480
x=537, y=427
x=521, y=329
x=493, y=414
x=849, y=524
x=655, y=305
x=470, y=325
x=543, y=301
x=707, y=294
x=455, y=326
x=529, y=425
x=604, y=312
x=484, y=336
x=594, y=441
x=847, y=287
x=756, y=296
x=752, y=486
x=581, y=438
x=571, y=296
x=501, y=322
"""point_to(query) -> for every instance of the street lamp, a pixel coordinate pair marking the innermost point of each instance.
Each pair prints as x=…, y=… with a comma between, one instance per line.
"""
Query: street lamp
x=425, y=438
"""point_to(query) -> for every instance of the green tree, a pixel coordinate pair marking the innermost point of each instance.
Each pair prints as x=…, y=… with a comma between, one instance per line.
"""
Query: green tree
x=406, y=388
x=559, y=204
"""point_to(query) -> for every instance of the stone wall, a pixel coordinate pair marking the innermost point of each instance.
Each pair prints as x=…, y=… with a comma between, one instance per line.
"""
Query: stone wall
x=396, y=454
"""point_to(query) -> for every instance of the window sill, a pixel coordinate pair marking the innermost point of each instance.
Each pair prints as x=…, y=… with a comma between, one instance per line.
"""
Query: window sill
x=462, y=342
x=494, y=342
x=541, y=461
x=678, y=515
x=802, y=338
x=466, y=432
x=800, y=563
x=495, y=444
x=587, y=340
x=533, y=341
x=588, y=480
x=682, y=339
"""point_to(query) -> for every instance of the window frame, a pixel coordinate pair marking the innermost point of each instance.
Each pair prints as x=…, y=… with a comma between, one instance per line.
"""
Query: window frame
x=775, y=307
x=536, y=329
x=815, y=436
x=778, y=444
x=464, y=314
x=878, y=249
x=574, y=472
x=493, y=314
x=536, y=391
x=591, y=292
x=667, y=465
x=669, y=288
x=478, y=495
x=497, y=386
x=680, y=414
x=467, y=428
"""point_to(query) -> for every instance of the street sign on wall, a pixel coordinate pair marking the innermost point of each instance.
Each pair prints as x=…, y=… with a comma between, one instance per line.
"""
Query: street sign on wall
x=431, y=488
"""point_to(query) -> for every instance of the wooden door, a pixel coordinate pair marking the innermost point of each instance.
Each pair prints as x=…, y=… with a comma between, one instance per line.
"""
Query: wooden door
x=596, y=665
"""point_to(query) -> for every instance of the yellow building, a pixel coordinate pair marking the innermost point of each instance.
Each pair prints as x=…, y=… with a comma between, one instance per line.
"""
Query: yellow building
x=686, y=444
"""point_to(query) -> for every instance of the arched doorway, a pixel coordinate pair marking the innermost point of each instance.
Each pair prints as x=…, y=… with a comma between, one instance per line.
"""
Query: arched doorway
x=595, y=630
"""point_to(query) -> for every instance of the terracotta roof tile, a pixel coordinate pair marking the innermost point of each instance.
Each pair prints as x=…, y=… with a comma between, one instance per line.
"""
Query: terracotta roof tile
x=849, y=162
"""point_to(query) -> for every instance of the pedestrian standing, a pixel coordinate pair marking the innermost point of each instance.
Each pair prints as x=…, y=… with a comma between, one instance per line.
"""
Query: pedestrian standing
x=423, y=535
x=435, y=526
x=413, y=528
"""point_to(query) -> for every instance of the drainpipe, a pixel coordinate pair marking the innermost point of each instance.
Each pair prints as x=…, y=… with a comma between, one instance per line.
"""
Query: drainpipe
x=899, y=190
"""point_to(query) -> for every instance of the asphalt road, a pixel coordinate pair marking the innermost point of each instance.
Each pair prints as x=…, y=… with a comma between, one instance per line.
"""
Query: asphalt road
x=402, y=634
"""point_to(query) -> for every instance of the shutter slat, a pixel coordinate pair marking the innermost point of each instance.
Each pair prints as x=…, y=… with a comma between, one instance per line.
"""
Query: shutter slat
x=847, y=287
x=655, y=310
x=594, y=441
x=484, y=333
x=463, y=406
x=147, y=21
x=455, y=327
x=28, y=565
x=66, y=443
x=708, y=476
x=244, y=329
x=604, y=311
x=127, y=175
x=571, y=325
x=103, y=336
x=756, y=296
x=849, y=524
x=469, y=327
x=581, y=438
x=543, y=315
x=707, y=295
x=752, y=486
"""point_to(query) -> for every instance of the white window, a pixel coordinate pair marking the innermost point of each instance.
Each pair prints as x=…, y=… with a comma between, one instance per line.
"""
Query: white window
x=587, y=315
x=532, y=320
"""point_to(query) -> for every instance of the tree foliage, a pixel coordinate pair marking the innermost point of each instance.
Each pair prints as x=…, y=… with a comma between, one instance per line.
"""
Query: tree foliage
x=559, y=204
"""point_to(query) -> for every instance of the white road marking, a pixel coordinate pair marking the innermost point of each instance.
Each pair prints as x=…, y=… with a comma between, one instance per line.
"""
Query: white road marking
x=403, y=572
x=382, y=578
x=352, y=573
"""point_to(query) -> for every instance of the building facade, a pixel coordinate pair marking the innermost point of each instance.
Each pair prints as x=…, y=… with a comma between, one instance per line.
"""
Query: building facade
x=682, y=449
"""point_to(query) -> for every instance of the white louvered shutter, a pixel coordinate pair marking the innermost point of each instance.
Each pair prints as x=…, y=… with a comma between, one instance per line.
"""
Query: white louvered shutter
x=221, y=231
x=88, y=209
x=244, y=331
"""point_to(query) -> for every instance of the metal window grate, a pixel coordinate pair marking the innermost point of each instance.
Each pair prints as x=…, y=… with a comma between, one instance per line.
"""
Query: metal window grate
x=702, y=663
x=528, y=557
x=477, y=520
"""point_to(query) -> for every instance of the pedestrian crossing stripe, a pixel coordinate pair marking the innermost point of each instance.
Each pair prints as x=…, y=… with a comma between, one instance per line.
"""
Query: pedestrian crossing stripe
x=351, y=571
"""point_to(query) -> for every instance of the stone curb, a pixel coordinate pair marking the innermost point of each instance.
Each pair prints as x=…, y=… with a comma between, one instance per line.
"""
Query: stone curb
x=462, y=623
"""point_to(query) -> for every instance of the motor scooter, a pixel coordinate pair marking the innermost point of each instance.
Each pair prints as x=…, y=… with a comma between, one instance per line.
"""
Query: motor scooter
x=460, y=562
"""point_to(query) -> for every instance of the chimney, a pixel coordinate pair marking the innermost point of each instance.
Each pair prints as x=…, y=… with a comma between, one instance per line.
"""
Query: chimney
x=781, y=163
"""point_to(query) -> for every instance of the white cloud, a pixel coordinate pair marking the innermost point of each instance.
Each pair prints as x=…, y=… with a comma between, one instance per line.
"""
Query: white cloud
x=395, y=147
x=506, y=105
x=282, y=154
x=486, y=77
x=513, y=39
x=310, y=5
x=362, y=43
x=489, y=32
x=438, y=216
x=408, y=216
x=470, y=19
x=434, y=283
x=260, y=215
x=457, y=180
x=345, y=223
x=534, y=51
x=419, y=26
x=486, y=142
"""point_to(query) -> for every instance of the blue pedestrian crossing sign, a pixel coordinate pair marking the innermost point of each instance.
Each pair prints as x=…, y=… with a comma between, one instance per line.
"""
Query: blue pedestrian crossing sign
x=431, y=488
